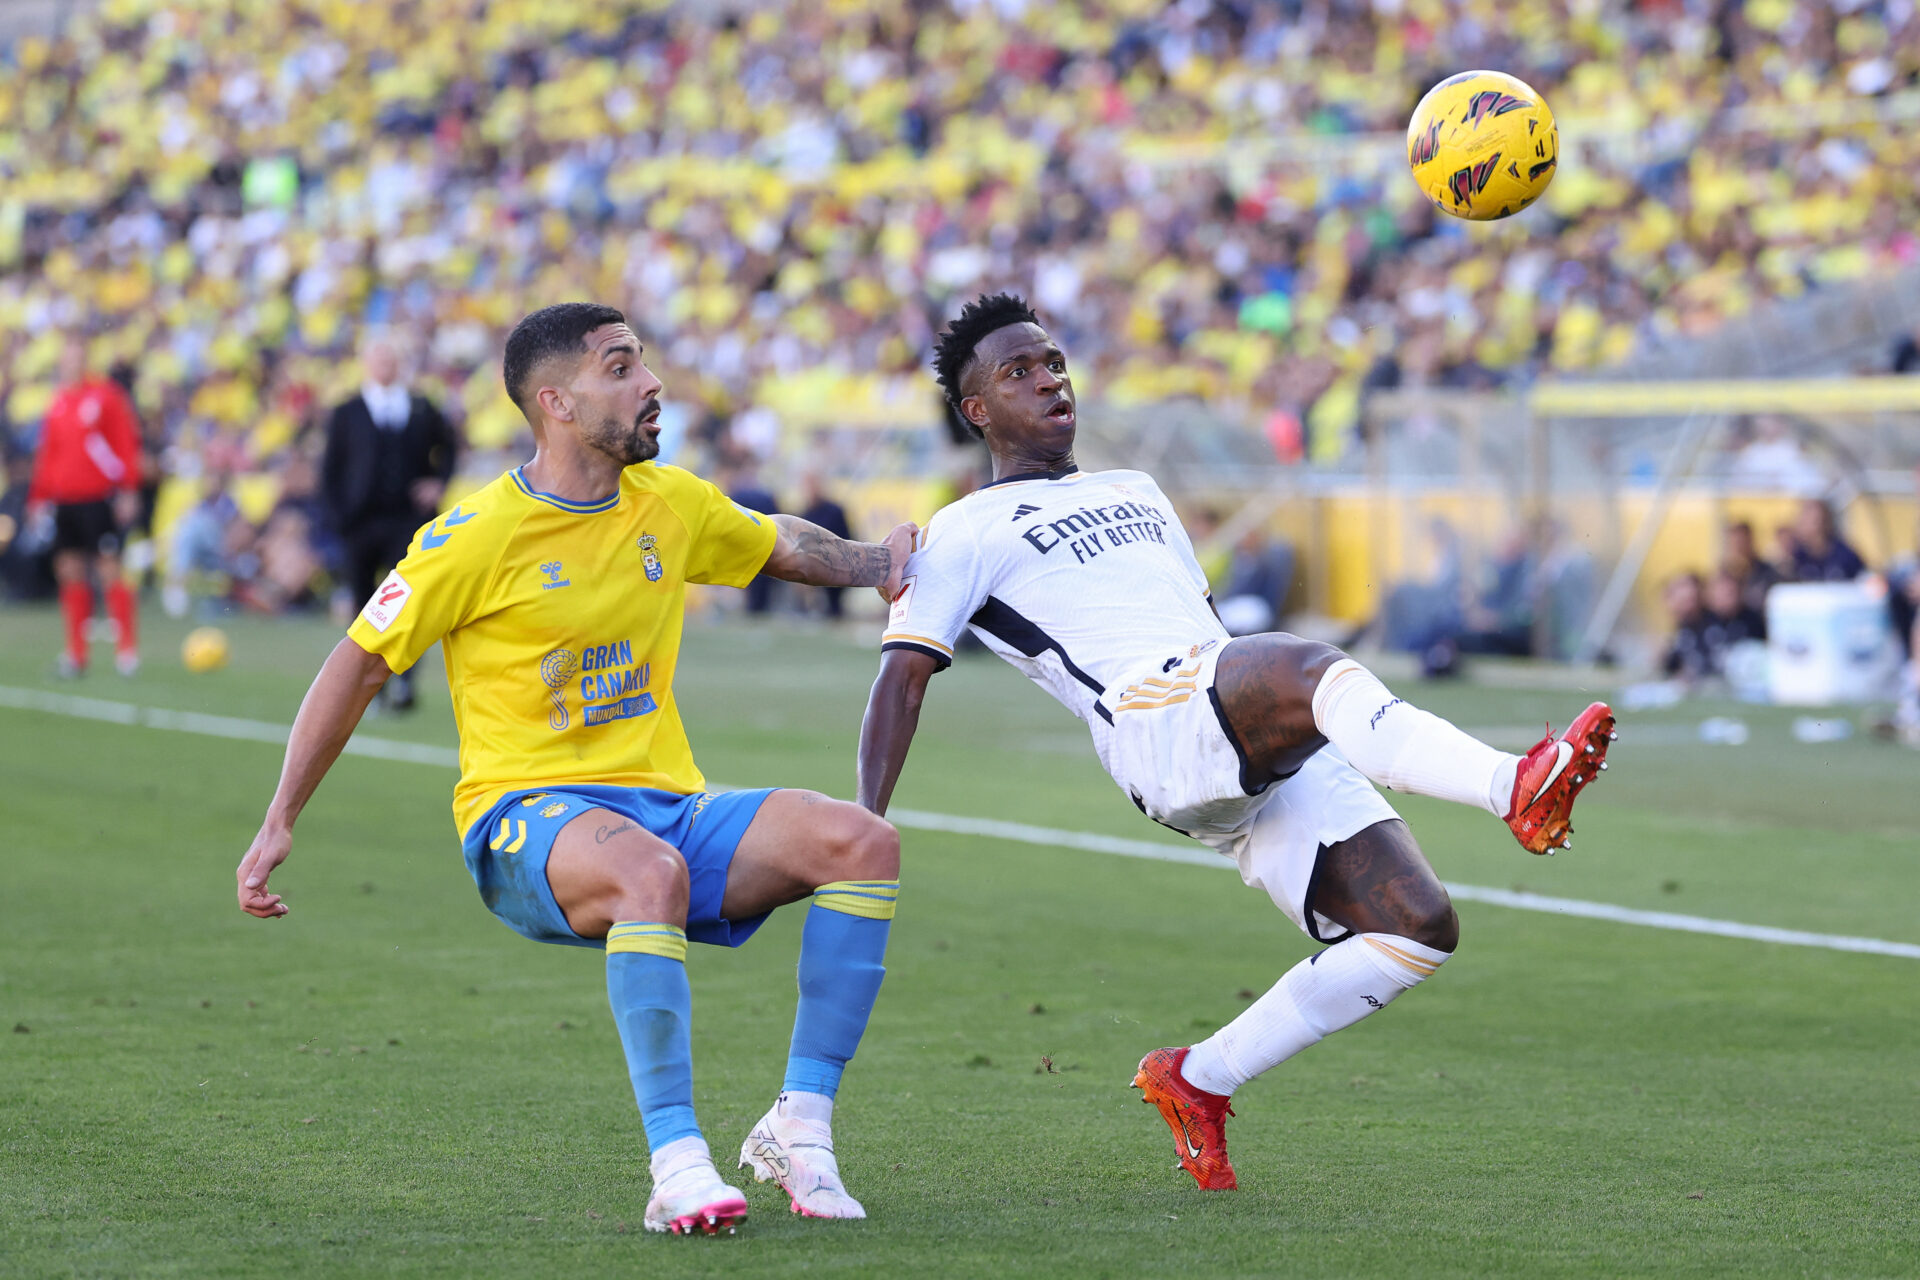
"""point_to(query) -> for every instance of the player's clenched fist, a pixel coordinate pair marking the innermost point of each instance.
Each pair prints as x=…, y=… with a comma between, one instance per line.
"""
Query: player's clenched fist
x=899, y=545
x=270, y=849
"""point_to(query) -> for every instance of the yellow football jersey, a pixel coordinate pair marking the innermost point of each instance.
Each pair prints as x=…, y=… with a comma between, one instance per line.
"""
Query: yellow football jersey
x=560, y=622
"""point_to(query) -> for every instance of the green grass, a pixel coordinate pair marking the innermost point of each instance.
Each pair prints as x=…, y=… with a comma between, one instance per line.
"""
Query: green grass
x=389, y=1082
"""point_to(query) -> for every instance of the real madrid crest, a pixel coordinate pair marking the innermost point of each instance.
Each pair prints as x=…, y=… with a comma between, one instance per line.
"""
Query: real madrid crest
x=650, y=557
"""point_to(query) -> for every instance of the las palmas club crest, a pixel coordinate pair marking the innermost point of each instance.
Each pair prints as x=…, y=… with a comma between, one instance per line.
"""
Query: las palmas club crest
x=650, y=557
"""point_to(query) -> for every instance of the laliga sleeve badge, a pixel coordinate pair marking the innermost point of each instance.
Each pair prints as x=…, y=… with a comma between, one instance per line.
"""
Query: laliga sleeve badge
x=902, y=605
x=650, y=557
x=387, y=602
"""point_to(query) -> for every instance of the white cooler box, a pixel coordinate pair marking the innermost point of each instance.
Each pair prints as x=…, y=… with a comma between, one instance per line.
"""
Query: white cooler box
x=1829, y=642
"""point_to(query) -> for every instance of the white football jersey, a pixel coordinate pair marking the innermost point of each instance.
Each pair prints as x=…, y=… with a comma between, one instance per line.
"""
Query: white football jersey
x=1076, y=578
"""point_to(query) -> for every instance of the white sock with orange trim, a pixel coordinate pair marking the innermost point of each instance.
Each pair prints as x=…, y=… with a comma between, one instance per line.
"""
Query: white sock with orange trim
x=1317, y=997
x=1403, y=748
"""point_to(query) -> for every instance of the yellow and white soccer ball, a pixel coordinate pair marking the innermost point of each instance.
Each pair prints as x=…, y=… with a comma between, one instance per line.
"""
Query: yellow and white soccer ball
x=205, y=649
x=1482, y=145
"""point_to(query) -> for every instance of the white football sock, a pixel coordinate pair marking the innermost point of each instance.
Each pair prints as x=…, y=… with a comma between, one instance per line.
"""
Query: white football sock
x=1316, y=998
x=798, y=1104
x=678, y=1156
x=1403, y=748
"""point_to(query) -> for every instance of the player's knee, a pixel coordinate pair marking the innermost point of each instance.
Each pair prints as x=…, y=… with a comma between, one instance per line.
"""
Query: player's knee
x=1434, y=924
x=864, y=847
x=1287, y=667
x=649, y=884
x=1312, y=658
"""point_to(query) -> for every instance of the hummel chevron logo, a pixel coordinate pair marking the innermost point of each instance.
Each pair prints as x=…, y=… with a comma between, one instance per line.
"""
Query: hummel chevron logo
x=1023, y=510
x=437, y=533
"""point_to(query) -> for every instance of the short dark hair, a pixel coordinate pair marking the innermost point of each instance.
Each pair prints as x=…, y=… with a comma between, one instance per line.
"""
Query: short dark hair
x=559, y=330
x=953, y=351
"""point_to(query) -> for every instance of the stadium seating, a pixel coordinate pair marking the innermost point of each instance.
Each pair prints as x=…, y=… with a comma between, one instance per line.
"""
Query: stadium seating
x=1203, y=199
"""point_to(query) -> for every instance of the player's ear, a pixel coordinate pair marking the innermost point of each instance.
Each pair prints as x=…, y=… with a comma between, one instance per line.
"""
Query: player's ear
x=975, y=411
x=555, y=403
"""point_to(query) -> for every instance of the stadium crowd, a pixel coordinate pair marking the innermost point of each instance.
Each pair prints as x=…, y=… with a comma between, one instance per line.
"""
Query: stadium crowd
x=1202, y=198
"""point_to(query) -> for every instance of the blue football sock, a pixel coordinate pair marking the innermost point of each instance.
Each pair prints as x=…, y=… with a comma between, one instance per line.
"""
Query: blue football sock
x=653, y=1007
x=841, y=954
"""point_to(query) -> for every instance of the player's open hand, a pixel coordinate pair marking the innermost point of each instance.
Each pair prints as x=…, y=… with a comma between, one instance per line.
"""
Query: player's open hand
x=270, y=849
x=899, y=545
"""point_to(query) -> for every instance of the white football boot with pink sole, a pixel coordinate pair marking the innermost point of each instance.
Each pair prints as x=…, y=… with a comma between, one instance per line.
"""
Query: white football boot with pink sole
x=798, y=1154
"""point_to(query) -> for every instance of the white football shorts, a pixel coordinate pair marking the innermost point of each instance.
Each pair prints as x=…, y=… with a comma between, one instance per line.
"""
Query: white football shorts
x=1169, y=748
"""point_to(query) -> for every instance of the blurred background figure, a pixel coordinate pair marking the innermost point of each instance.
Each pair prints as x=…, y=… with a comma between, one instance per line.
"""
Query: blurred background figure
x=292, y=545
x=1422, y=613
x=1259, y=576
x=1820, y=554
x=1741, y=561
x=1772, y=458
x=205, y=543
x=1709, y=619
x=24, y=571
x=1500, y=621
x=1906, y=353
x=389, y=455
x=87, y=477
x=831, y=516
x=1563, y=588
x=1690, y=658
x=1903, y=611
x=1730, y=619
x=744, y=487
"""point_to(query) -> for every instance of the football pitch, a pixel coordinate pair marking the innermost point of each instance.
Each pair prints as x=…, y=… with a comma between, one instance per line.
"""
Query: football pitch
x=388, y=1082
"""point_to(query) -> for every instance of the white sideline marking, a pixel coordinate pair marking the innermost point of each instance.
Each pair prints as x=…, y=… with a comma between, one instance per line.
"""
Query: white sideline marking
x=65, y=704
x=1684, y=924
x=1091, y=841
x=195, y=722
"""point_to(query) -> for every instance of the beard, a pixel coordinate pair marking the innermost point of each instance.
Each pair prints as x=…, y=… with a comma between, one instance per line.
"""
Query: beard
x=626, y=442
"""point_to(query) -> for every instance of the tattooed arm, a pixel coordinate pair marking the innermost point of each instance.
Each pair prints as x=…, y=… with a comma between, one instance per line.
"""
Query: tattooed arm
x=804, y=552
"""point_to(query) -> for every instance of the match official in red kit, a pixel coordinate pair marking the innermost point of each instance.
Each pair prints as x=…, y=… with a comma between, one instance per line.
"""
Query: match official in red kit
x=87, y=471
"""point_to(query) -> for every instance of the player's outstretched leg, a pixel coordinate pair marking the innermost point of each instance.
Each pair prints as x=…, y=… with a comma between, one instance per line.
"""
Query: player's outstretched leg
x=1287, y=697
x=617, y=881
x=802, y=844
x=1376, y=884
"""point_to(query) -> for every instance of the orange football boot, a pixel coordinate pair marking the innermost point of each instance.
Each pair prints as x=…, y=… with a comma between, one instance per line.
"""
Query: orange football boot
x=1198, y=1118
x=1552, y=774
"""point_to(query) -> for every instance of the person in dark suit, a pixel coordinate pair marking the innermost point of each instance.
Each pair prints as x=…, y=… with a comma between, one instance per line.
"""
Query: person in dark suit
x=831, y=516
x=746, y=491
x=388, y=458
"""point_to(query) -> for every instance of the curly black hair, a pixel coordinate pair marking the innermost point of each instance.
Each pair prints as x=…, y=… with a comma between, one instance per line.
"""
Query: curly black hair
x=558, y=330
x=954, y=349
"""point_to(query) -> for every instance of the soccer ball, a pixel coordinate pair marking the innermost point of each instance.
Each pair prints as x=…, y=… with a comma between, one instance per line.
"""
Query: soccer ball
x=1482, y=145
x=205, y=649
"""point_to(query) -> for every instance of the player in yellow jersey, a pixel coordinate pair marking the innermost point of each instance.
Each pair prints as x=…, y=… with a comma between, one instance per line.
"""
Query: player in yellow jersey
x=557, y=593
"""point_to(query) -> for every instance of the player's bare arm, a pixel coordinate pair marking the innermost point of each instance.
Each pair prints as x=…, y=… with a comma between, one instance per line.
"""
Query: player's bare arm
x=893, y=714
x=348, y=681
x=804, y=552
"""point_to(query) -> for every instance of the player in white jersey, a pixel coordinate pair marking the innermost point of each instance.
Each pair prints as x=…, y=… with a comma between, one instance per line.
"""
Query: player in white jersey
x=1263, y=747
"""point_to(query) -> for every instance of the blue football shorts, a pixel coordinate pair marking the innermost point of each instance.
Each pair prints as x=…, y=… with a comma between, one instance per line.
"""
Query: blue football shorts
x=507, y=850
